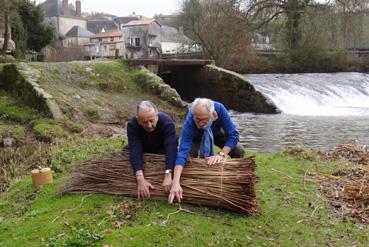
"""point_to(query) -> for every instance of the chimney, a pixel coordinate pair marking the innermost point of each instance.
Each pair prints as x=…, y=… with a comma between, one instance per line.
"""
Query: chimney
x=78, y=8
x=65, y=7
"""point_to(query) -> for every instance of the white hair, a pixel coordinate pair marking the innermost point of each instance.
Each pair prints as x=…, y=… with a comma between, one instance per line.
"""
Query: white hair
x=203, y=102
x=146, y=106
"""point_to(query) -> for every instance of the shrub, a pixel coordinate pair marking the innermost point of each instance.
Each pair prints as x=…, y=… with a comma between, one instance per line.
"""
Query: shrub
x=47, y=130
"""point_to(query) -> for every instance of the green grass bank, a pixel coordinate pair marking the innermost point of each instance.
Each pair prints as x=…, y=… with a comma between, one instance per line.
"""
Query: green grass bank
x=293, y=211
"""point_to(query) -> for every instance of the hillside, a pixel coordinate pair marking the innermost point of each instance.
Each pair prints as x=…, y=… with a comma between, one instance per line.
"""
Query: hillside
x=101, y=95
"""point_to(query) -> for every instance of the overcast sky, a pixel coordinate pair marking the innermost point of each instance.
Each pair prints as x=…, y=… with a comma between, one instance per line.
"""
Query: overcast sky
x=147, y=8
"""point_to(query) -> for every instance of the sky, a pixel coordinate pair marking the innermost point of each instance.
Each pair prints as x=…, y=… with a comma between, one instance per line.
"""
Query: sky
x=147, y=8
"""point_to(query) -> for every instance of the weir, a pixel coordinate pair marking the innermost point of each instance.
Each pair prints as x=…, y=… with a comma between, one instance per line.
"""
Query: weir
x=194, y=78
x=316, y=94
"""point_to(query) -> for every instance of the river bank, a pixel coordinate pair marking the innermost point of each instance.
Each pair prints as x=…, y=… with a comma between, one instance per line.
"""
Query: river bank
x=294, y=209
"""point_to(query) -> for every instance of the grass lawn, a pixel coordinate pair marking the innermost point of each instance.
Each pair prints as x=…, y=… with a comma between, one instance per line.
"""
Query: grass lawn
x=293, y=212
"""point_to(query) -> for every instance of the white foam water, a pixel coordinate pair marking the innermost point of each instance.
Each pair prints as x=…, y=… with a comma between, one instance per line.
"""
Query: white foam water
x=333, y=94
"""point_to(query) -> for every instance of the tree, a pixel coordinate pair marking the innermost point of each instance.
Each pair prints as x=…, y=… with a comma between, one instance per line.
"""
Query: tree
x=28, y=27
x=38, y=34
x=7, y=7
x=24, y=20
x=261, y=12
x=212, y=24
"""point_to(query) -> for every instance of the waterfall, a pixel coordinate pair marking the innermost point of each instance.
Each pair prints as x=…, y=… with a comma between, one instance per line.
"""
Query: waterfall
x=318, y=94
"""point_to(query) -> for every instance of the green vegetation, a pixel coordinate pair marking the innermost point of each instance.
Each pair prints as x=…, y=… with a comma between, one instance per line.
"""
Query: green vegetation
x=28, y=30
x=17, y=113
x=101, y=91
x=72, y=126
x=15, y=131
x=48, y=130
x=293, y=211
x=11, y=111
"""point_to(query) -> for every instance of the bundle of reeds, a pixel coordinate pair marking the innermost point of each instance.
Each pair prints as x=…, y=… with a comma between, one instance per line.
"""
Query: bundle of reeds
x=228, y=185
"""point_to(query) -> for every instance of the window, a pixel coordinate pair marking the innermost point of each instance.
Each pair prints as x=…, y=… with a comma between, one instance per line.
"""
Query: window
x=133, y=42
x=137, y=42
x=112, y=39
x=105, y=47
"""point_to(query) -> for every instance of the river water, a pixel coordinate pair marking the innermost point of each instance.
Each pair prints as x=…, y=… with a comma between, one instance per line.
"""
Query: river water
x=319, y=111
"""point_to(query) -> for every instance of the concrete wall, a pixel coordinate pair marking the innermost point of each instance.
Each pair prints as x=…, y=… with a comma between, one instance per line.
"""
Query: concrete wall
x=63, y=24
x=228, y=87
x=111, y=47
x=98, y=50
x=154, y=35
x=75, y=41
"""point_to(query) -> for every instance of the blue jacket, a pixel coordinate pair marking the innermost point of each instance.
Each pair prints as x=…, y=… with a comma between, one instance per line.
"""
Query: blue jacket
x=163, y=139
x=191, y=132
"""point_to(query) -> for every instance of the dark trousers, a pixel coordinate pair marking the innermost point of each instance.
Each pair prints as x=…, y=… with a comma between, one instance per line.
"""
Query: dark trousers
x=220, y=139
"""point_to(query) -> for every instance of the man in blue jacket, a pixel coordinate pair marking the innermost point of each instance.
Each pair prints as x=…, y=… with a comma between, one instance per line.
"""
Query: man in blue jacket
x=151, y=131
x=207, y=123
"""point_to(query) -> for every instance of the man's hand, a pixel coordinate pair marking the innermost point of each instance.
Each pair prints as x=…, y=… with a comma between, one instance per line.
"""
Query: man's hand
x=214, y=159
x=167, y=182
x=175, y=192
x=143, y=188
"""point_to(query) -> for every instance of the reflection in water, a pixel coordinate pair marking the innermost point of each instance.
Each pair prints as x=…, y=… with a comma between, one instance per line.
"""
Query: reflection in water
x=274, y=132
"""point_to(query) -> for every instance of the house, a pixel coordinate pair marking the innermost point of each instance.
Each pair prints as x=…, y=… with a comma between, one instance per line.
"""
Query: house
x=77, y=37
x=63, y=16
x=98, y=26
x=174, y=41
x=142, y=38
x=105, y=44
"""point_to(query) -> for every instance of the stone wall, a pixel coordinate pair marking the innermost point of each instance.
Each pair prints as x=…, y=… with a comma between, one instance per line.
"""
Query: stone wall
x=155, y=85
x=21, y=82
x=210, y=81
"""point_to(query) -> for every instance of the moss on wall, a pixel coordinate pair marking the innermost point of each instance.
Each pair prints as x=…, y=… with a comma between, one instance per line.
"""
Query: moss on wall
x=14, y=82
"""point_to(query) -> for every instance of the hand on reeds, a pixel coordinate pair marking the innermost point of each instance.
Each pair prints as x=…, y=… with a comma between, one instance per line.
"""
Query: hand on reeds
x=214, y=159
x=175, y=192
x=167, y=183
x=143, y=188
